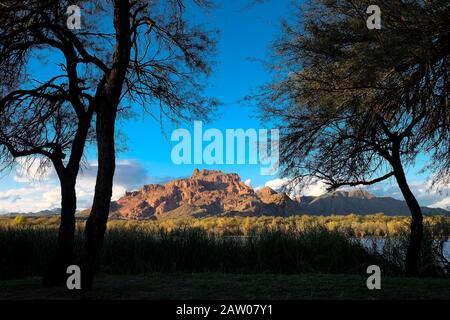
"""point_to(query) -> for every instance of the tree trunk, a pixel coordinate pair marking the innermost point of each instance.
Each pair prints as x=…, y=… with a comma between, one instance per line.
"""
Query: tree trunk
x=96, y=223
x=106, y=110
x=56, y=274
x=415, y=240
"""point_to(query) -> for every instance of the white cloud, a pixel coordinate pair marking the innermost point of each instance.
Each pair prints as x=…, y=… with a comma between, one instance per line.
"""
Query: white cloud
x=315, y=188
x=429, y=195
x=32, y=170
x=444, y=203
x=40, y=190
x=34, y=197
x=248, y=182
x=277, y=184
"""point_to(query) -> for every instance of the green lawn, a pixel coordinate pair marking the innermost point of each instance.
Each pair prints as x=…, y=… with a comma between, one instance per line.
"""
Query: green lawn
x=162, y=286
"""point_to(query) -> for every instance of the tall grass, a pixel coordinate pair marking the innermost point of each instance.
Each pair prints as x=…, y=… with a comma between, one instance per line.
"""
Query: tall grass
x=26, y=251
x=196, y=250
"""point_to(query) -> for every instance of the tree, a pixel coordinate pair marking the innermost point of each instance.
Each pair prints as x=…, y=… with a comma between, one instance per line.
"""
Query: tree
x=357, y=106
x=137, y=52
x=47, y=120
x=158, y=59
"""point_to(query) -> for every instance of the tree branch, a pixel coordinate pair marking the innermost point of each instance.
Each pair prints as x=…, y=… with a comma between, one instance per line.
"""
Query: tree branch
x=333, y=185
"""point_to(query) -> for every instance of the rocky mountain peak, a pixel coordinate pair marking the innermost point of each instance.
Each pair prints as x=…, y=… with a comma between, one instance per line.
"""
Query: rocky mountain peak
x=205, y=192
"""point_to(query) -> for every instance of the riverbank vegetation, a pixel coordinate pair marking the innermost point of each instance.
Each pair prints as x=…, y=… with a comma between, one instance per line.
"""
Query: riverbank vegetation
x=243, y=245
x=377, y=225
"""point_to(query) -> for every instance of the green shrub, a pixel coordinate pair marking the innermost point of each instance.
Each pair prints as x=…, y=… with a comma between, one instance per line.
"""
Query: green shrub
x=20, y=220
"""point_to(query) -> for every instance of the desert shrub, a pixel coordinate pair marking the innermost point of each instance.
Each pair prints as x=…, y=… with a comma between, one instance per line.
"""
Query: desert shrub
x=20, y=220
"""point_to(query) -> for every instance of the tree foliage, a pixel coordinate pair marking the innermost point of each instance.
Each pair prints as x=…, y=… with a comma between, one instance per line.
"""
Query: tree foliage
x=349, y=99
x=357, y=106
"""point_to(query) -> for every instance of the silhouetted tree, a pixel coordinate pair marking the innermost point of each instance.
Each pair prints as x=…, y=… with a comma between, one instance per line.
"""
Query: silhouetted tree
x=136, y=52
x=357, y=106
x=46, y=120
x=158, y=60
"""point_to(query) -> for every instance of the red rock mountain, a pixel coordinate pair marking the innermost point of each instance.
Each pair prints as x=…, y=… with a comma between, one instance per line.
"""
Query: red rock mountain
x=214, y=193
x=206, y=192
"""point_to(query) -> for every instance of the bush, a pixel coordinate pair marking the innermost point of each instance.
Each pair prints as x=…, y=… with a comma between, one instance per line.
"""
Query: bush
x=20, y=220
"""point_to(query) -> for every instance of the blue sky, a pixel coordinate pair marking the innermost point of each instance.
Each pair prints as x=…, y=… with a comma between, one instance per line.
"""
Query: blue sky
x=246, y=34
x=244, y=41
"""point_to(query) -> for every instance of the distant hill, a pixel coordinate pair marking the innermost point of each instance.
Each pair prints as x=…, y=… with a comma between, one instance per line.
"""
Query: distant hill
x=50, y=212
x=359, y=202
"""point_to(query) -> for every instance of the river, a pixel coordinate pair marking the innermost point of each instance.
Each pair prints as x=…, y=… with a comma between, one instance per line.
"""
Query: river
x=379, y=242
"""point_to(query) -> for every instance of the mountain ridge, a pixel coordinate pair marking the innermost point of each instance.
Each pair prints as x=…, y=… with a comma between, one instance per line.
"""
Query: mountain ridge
x=211, y=193
x=215, y=193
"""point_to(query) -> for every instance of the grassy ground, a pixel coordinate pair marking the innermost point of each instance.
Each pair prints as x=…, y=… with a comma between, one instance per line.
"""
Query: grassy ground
x=163, y=286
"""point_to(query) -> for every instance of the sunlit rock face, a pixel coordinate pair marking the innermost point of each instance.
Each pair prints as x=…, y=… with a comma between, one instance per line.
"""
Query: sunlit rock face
x=206, y=192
